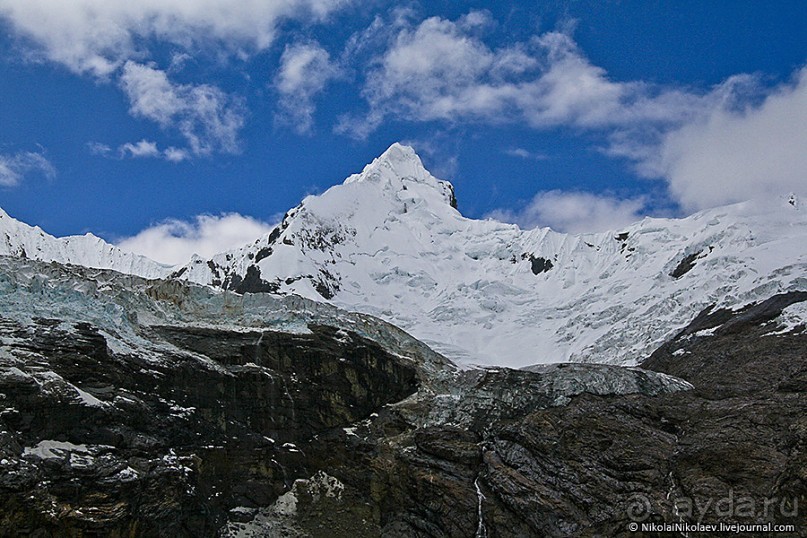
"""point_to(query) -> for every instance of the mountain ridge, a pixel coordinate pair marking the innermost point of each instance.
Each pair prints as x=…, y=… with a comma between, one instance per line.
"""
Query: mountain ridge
x=385, y=242
x=21, y=240
x=389, y=241
x=136, y=406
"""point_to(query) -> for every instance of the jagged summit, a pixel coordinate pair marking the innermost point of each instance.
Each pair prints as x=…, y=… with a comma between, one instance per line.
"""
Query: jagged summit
x=397, y=168
x=388, y=243
x=385, y=242
x=21, y=240
x=398, y=161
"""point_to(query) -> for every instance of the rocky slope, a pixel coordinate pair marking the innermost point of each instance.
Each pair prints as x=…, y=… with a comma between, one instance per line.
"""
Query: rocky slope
x=162, y=407
x=135, y=407
x=389, y=242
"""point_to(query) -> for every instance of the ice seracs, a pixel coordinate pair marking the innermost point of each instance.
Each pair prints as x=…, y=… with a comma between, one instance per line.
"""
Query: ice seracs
x=19, y=239
x=389, y=242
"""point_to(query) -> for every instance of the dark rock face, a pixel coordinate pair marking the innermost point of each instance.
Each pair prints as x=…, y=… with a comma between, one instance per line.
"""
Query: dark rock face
x=685, y=265
x=734, y=444
x=538, y=264
x=198, y=426
x=250, y=283
x=623, y=240
x=265, y=252
x=120, y=446
x=452, y=201
x=732, y=449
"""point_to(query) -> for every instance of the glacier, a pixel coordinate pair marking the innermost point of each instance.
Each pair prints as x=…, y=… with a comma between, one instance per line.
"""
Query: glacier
x=390, y=242
x=20, y=240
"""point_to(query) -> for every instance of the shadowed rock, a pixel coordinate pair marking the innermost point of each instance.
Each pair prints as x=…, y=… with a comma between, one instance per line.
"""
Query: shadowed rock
x=142, y=408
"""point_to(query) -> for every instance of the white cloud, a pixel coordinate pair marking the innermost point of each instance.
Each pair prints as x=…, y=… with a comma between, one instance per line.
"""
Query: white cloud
x=574, y=212
x=208, y=118
x=144, y=148
x=99, y=148
x=441, y=70
x=98, y=36
x=175, y=155
x=522, y=153
x=735, y=141
x=13, y=168
x=711, y=146
x=731, y=155
x=149, y=149
x=175, y=241
x=112, y=38
x=305, y=69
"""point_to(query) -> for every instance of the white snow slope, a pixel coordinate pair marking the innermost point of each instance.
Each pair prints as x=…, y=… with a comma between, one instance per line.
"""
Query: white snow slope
x=19, y=239
x=389, y=243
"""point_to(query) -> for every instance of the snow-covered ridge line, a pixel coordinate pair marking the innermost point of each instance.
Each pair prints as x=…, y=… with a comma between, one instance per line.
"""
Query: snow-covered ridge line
x=19, y=239
x=390, y=242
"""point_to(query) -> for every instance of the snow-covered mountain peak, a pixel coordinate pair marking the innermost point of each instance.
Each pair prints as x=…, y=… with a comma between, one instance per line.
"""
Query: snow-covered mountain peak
x=386, y=242
x=24, y=241
x=398, y=161
x=397, y=169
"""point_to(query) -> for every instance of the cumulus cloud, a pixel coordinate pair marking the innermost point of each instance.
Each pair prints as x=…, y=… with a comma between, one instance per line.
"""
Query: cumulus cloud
x=175, y=155
x=112, y=40
x=712, y=146
x=149, y=149
x=144, y=148
x=99, y=36
x=208, y=118
x=305, y=69
x=13, y=168
x=574, y=212
x=441, y=70
x=176, y=241
x=731, y=154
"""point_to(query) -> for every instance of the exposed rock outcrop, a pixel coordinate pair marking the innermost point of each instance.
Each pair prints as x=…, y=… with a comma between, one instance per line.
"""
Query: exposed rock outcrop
x=142, y=408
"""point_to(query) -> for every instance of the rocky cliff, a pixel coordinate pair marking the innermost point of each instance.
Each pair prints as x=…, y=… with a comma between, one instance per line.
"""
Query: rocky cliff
x=132, y=407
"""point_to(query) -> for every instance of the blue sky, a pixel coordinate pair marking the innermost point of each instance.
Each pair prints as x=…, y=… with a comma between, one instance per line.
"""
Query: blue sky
x=173, y=126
